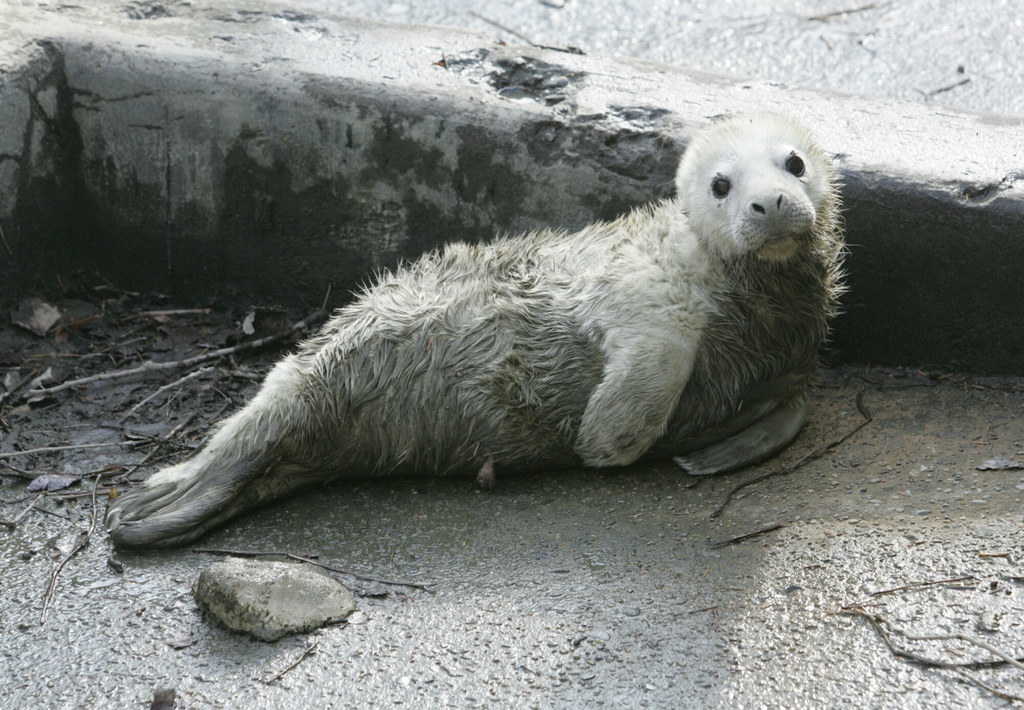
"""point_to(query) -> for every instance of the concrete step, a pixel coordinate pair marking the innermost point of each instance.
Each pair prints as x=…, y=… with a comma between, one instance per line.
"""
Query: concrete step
x=194, y=149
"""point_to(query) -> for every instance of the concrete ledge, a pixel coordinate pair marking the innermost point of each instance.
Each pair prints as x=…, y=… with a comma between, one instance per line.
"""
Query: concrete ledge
x=222, y=146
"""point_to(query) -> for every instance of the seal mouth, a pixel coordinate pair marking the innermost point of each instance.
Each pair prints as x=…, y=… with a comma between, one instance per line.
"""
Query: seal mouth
x=779, y=247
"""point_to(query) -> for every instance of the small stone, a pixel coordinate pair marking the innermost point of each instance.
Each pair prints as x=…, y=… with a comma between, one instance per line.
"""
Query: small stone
x=988, y=622
x=999, y=463
x=269, y=600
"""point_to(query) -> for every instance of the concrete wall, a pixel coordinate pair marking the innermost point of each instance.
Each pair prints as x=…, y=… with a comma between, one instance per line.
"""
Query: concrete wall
x=219, y=148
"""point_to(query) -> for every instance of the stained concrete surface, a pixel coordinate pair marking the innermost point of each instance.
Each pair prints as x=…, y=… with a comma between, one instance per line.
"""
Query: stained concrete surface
x=579, y=589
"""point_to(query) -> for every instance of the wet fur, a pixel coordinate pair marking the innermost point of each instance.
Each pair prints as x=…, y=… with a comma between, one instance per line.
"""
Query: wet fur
x=669, y=332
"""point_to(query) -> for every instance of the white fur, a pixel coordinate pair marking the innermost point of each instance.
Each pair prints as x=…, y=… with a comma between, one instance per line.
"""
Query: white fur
x=752, y=155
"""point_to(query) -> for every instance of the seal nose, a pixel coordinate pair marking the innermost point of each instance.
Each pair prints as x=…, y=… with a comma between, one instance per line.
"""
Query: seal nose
x=759, y=209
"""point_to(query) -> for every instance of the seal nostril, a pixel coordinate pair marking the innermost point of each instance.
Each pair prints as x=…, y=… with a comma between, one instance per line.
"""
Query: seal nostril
x=778, y=204
x=757, y=208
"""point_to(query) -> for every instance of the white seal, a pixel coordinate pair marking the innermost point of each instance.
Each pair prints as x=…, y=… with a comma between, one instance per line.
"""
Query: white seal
x=689, y=328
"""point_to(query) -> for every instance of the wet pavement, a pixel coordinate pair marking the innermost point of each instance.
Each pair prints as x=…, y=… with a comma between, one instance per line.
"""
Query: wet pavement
x=968, y=55
x=578, y=589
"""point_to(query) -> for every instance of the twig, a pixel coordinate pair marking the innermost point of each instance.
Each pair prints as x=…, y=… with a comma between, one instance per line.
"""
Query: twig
x=705, y=609
x=17, y=471
x=307, y=651
x=240, y=553
x=816, y=454
x=113, y=468
x=504, y=28
x=24, y=381
x=11, y=524
x=184, y=423
x=68, y=447
x=361, y=577
x=151, y=366
x=859, y=401
x=173, y=312
x=3, y=238
x=118, y=344
x=95, y=485
x=54, y=514
x=949, y=87
x=149, y=459
x=245, y=375
x=824, y=17
x=81, y=544
x=985, y=686
x=309, y=560
x=880, y=625
x=180, y=381
x=919, y=585
x=75, y=496
x=747, y=536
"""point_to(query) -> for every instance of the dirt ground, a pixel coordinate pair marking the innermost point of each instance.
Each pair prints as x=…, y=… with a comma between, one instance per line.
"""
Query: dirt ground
x=635, y=588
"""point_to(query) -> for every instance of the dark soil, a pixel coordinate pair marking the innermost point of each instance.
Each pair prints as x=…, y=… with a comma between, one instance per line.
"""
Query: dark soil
x=144, y=419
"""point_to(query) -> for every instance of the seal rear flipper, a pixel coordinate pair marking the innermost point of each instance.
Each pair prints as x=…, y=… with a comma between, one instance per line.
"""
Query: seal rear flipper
x=165, y=515
x=758, y=441
x=176, y=500
x=247, y=460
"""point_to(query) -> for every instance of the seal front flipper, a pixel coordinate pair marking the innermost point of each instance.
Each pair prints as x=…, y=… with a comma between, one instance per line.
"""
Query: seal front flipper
x=643, y=379
x=758, y=441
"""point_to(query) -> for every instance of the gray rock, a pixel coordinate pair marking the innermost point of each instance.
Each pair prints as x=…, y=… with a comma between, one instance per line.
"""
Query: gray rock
x=269, y=600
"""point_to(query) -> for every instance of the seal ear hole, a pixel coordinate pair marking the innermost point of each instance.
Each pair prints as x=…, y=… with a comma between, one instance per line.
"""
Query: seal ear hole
x=720, y=186
x=795, y=165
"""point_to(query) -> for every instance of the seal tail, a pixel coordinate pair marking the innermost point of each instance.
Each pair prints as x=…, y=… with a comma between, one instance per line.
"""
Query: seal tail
x=240, y=467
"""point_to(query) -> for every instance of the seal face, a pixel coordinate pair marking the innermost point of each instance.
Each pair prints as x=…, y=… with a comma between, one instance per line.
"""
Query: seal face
x=689, y=328
x=767, y=181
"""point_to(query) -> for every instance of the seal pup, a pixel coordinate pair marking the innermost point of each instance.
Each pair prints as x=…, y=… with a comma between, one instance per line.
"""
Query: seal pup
x=687, y=328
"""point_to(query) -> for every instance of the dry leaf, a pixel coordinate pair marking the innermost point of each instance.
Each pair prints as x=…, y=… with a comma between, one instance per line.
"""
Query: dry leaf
x=999, y=463
x=35, y=315
x=51, y=482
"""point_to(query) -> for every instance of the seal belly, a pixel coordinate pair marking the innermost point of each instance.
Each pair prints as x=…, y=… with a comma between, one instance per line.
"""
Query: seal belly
x=467, y=386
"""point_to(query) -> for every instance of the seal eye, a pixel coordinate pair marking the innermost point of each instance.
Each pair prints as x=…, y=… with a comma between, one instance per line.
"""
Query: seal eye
x=794, y=165
x=720, y=186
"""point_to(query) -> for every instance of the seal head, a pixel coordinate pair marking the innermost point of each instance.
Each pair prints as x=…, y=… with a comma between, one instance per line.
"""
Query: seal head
x=753, y=185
